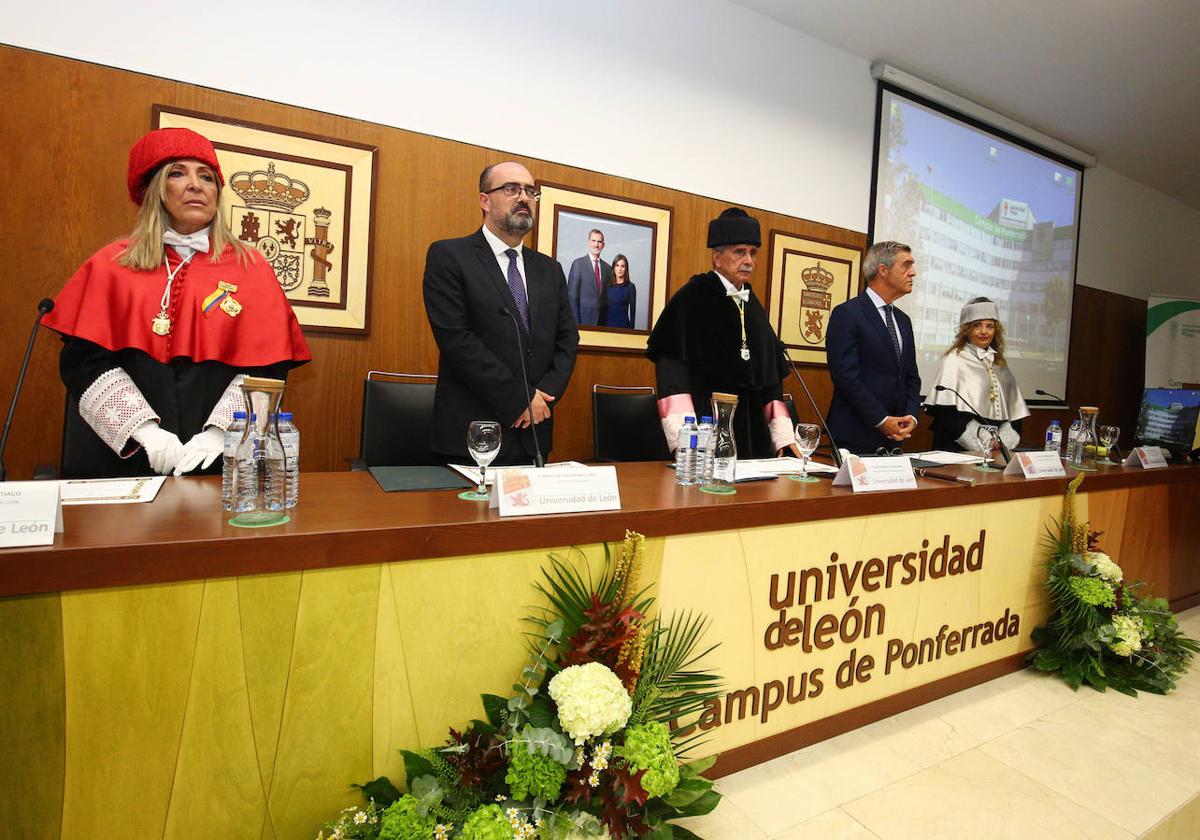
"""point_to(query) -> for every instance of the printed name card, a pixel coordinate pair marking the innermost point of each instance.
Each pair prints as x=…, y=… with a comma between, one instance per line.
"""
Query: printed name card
x=527, y=491
x=866, y=475
x=1035, y=465
x=30, y=513
x=1146, y=457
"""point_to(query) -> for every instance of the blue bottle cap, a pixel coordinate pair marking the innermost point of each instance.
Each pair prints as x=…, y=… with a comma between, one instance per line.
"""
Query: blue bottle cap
x=687, y=418
x=239, y=415
x=706, y=420
x=285, y=415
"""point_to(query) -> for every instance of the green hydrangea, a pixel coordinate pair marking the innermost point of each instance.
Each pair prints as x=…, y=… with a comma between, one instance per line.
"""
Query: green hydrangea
x=533, y=773
x=402, y=821
x=648, y=747
x=1093, y=591
x=487, y=823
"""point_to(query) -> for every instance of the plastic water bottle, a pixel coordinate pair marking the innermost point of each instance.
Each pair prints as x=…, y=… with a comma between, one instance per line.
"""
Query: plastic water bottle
x=274, y=477
x=290, y=436
x=233, y=437
x=245, y=475
x=1054, y=438
x=704, y=442
x=685, y=452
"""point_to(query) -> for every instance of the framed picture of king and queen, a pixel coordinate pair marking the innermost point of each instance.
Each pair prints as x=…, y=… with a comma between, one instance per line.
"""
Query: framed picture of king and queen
x=306, y=203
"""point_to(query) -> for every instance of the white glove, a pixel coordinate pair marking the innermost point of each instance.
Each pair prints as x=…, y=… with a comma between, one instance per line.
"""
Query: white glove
x=201, y=450
x=162, y=447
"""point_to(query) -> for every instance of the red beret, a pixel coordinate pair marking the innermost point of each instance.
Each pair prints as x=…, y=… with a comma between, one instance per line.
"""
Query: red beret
x=163, y=145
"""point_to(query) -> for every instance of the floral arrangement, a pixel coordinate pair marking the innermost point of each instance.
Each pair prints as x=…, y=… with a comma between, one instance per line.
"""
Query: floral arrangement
x=1100, y=631
x=582, y=747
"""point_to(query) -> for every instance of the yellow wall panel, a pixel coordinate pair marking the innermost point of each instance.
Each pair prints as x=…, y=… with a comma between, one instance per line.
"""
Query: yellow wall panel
x=128, y=659
x=394, y=724
x=325, y=737
x=31, y=716
x=218, y=791
x=267, y=607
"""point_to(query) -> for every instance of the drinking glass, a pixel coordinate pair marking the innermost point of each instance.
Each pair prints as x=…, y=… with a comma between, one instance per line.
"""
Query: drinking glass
x=483, y=442
x=988, y=436
x=808, y=435
x=1108, y=436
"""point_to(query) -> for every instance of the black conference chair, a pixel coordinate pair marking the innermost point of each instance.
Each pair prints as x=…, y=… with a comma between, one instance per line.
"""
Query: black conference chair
x=397, y=421
x=625, y=424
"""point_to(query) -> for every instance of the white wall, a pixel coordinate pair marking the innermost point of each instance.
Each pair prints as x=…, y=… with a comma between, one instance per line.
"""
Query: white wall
x=696, y=95
x=1134, y=240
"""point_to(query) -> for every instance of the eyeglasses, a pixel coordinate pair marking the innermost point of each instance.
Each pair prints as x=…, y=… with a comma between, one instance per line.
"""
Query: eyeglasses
x=884, y=451
x=512, y=190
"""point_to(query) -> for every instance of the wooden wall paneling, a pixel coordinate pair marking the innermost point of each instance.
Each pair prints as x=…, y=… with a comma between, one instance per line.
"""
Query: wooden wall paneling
x=1183, y=525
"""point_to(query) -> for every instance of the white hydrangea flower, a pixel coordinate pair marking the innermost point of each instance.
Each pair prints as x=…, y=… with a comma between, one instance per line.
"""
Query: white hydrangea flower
x=1128, y=631
x=1104, y=566
x=591, y=701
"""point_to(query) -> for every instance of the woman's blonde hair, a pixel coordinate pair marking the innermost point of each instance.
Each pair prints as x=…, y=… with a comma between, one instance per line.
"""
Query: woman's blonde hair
x=145, y=249
x=964, y=336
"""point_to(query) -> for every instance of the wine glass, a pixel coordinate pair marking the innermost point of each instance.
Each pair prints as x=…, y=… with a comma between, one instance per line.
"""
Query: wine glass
x=1108, y=436
x=483, y=442
x=808, y=435
x=988, y=437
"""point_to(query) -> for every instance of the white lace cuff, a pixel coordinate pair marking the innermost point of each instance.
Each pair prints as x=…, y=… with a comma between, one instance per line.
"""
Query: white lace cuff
x=783, y=436
x=114, y=407
x=671, y=425
x=1008, y=435
x=232, y=400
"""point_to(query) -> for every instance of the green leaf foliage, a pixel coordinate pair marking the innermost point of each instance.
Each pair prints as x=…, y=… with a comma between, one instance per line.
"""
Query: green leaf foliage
x=381, y=791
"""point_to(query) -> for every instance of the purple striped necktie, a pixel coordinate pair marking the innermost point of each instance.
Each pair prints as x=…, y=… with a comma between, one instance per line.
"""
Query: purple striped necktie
x=517, y=287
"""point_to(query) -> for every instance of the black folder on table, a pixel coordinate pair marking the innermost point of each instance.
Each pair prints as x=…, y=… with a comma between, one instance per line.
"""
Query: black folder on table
x=418, y=478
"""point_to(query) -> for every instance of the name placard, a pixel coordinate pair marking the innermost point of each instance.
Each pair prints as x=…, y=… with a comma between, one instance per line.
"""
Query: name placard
x=30, y=513
x=866, y=475
x=1146, y=457
x=527, y=491
x=1035, y=465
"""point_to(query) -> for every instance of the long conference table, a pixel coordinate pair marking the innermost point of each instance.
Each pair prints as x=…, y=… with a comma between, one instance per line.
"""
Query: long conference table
x=165, y=672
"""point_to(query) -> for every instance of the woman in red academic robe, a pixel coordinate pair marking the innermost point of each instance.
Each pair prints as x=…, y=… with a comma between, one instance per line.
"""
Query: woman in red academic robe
x=160, y=328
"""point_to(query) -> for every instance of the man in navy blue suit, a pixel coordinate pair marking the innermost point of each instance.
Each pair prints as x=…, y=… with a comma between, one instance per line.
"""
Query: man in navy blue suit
x=872, y=357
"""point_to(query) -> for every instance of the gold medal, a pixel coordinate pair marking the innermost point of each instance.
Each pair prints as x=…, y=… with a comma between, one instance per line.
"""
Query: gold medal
x=161, y=324
x=231, y=307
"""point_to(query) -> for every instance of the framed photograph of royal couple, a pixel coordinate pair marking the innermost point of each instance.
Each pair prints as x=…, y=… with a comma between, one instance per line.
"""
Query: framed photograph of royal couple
x=615, y=255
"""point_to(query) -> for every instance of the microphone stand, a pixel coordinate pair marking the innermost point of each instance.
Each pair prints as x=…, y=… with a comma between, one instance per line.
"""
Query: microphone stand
x=1042, y=393
x=538, y=460
x=46, y=305
x=1003, y=449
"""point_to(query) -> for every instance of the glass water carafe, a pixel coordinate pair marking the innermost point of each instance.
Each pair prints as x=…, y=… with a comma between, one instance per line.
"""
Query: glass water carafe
x=259, y=468
x=724, y=453
x=1083, y=447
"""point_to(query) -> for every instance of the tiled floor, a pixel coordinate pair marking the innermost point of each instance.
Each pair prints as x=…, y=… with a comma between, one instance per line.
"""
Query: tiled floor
x=1020, y=757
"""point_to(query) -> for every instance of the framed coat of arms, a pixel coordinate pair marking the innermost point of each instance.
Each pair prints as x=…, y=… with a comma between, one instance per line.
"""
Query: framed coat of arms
x=306, y=203
x=808, y=278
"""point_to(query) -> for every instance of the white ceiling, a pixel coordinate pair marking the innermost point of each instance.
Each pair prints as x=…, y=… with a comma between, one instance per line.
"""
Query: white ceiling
x=1117, y=78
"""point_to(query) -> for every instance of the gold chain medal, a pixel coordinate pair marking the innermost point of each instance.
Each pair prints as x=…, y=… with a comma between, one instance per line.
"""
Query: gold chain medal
x=161, y=323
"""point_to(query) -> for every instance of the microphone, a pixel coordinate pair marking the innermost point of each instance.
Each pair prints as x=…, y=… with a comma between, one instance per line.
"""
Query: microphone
x=1042, y=393
x=538, y=460
x=837, y=455
x=1003, y=448
x=44, y=307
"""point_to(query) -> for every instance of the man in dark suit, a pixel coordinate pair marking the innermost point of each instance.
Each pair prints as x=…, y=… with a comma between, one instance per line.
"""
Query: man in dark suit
x=586, y=281
x=480, y=292
x=872, y=357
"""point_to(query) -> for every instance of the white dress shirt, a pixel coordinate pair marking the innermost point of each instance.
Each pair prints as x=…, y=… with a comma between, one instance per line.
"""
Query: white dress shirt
x=879, y=304
x=499, y=246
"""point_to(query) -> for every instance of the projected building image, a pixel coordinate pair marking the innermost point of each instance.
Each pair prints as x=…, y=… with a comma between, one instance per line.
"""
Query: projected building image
x=986, y=218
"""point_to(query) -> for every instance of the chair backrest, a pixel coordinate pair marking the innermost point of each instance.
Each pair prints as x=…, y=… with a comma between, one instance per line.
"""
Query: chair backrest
x=625, y=424
x=397, y=420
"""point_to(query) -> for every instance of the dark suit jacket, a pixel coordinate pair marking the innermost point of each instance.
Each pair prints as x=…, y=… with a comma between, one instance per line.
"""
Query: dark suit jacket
x=581, y=289
x=868, y=384
x=479, y=369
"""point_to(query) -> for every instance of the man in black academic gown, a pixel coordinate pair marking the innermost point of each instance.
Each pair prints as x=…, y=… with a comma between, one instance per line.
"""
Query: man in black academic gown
x=479, y=291
x=714, y=336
